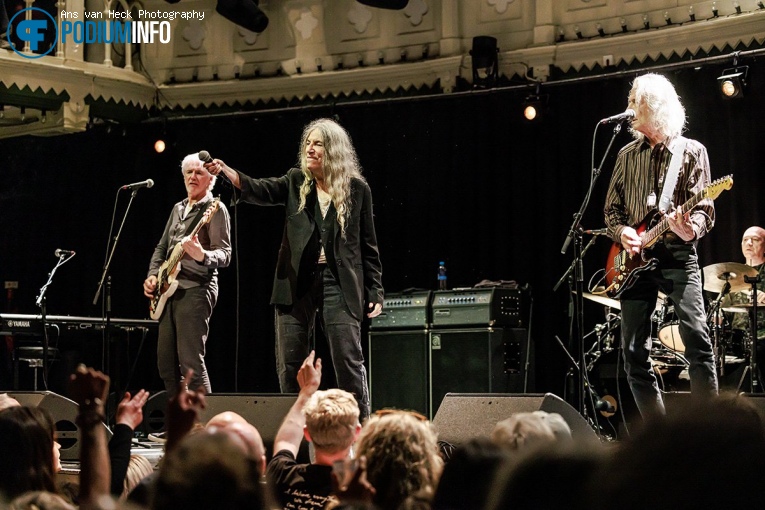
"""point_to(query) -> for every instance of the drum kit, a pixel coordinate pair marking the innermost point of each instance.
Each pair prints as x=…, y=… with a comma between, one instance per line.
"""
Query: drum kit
x=668, y=351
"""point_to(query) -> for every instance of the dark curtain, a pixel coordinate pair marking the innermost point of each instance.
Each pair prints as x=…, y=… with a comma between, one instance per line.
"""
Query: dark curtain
x=463, y=179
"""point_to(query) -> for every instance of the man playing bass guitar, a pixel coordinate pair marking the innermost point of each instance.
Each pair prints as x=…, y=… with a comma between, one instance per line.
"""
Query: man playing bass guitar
x=185, y=316
x=636, y=189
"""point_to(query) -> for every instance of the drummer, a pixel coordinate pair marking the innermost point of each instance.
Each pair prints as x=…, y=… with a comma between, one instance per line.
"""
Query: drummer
x=753, y=248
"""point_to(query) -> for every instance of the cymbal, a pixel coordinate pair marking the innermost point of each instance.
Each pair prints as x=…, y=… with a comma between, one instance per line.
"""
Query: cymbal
x=615, y=303
x=715, y=276
x=603, y=300
x=742, y=307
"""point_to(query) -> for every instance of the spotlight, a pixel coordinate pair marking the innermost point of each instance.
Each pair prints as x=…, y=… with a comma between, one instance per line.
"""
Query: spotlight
x=646, y=22
x=667, y=18
x=534, y=107
x=691, y=14
x=732, y=82
x=578, y=32
x=244, y=13
x=623, y=23
x=485, y=61
x=159, y=146
x=715, y=13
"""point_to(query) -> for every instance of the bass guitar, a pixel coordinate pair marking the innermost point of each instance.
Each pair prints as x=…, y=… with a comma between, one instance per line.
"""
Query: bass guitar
x=168, y=271
x=623, y=269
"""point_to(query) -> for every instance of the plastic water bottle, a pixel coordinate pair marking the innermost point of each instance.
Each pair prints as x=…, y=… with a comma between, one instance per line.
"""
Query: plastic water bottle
x=441, y=276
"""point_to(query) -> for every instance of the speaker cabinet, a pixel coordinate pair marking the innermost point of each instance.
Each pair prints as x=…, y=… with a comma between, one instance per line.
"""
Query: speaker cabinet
x=479, y=360
x=398, y=370
x=265, y=411
x=464, y=416
x=64, y=412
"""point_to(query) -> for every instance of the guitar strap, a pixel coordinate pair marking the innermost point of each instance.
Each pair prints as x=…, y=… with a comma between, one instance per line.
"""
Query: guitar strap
x=677, y=148
x=200, y=213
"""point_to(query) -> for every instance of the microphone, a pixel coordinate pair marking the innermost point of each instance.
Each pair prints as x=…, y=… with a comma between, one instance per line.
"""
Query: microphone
x=597, y=232
x=627, y=114
x=60, y=253
x=205, y=157
x=148, y=183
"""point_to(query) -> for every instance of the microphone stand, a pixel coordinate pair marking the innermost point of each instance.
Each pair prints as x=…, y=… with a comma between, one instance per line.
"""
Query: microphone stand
x=575, y=234
x=107, y=305
x=41, y=303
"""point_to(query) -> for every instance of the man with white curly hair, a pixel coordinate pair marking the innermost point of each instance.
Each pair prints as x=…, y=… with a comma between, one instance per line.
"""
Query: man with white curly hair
x=635, y=193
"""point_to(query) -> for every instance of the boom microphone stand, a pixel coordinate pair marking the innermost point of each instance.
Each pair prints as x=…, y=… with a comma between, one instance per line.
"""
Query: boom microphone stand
x=575, y=233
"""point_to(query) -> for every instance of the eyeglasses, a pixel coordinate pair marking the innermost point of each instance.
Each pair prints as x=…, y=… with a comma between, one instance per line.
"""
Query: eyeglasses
x=387, y=412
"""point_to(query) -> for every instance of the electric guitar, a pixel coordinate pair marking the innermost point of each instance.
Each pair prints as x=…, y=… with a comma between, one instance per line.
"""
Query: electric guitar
x=623, y=269
x=168, y=271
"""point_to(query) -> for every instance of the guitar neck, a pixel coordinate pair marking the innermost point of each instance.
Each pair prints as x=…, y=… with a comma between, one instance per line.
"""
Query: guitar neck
x=650, y=236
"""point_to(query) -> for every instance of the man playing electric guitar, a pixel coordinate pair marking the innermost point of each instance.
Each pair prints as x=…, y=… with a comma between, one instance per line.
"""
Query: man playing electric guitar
x=184, y=320
x=637, y=188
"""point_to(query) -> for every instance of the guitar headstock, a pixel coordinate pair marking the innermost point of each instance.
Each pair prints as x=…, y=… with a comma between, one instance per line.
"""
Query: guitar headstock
x=716, y=187
x=211, y=209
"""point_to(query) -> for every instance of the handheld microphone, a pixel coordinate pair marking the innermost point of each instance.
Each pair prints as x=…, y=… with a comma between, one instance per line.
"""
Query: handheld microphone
x=597, y=232
x=627, y=114
x=205, y=157
x=61, y=253
x=148, y=183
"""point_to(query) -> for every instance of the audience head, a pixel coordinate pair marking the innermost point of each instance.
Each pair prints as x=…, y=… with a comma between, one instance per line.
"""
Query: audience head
x=40, y=500
x=554, y=476
x=522, y=431
x=709, y=451
x=138, y=468
x=403, y=464
x=466, y=480
x=28, y=452
x=210, y=469
x=332, y=420
x=244, y=433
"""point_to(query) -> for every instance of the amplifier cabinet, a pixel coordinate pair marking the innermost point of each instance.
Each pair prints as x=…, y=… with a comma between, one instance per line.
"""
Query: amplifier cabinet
x=494, y=307
x=404, y=311
x=479, y=360
x=398, y=370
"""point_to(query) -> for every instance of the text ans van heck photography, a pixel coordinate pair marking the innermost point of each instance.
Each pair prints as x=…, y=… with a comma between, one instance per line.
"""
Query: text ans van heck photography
x=121, y=27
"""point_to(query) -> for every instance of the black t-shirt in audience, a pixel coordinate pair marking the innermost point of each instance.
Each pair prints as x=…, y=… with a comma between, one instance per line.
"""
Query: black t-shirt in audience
x=299, y=486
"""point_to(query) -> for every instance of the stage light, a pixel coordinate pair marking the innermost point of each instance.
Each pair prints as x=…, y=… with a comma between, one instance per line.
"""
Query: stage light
x=485, y=61
x=159, y=146
x=646, y=22
x=534, y=107
x=623, y=23
x=715, y=13
x=732, y=82
x=578, y=32
x=667, y=18
x=244, y=13
x=691, y=14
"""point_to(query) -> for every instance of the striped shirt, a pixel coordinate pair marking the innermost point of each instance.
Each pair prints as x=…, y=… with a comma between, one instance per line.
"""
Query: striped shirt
x=638, y=180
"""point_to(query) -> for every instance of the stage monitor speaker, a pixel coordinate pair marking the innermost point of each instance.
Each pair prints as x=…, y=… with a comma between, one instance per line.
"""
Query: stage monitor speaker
x=64, y=412
x=155, y=413
x=398, y=370
x=464, y=416
x=265, y=411
x=479, y=360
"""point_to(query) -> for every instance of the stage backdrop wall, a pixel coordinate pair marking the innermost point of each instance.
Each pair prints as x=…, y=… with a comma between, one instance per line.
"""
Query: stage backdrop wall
x=456, y=178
